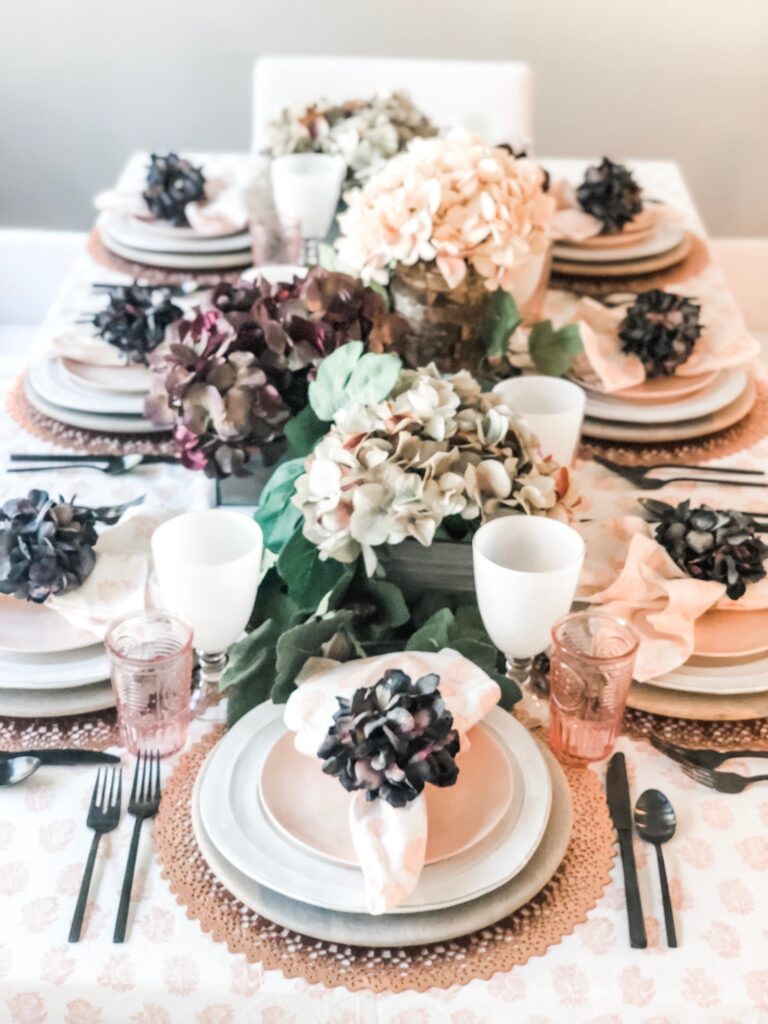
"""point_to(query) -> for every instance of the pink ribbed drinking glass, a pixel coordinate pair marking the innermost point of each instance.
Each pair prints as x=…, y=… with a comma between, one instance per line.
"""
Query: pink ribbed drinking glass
x=591, y=664
x=151, y=658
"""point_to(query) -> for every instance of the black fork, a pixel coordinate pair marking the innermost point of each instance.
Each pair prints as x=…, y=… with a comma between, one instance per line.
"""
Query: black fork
x=103, y=816
x=144, y=803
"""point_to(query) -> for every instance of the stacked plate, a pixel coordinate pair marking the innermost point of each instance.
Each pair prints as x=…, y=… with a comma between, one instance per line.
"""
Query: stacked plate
x=274, y=830
x=49, y=668
x=158, y=244
x=641, y=248
x=727, y=676
x=108, y=399
x=669, y=408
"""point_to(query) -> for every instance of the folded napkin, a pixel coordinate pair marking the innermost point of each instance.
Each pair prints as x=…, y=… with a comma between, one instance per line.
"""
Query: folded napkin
x=724, y=342
x=571, y=225
x=390, y=842
x=631, y=576
x=223, y=211
x=84, y=348
x=120, y=581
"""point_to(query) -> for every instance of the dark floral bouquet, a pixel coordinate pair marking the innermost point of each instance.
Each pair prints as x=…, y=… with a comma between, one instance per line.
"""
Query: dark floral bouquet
x=229, y=377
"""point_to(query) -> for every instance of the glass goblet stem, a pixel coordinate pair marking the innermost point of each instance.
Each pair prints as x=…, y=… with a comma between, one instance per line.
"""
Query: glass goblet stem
x=212, y=665
x=534, y=700
x=310, y=252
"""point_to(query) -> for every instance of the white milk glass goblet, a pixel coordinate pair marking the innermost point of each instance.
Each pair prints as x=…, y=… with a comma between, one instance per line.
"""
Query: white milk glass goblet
x=526, y=572
x=208, y=565
x=552, y=407
x=306, y=189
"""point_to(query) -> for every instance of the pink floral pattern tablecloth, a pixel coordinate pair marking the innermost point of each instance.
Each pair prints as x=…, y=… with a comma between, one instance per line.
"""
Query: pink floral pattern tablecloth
x=169, y=971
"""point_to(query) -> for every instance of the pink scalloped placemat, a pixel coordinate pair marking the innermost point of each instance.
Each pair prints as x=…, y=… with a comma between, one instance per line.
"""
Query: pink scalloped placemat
x=530, y=931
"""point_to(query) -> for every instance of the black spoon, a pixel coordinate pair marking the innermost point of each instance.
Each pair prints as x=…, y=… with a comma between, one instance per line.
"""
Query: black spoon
x=655, y=823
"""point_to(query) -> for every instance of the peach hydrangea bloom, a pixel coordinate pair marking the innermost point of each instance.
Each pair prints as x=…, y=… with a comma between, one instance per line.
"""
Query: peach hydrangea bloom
x=451, y=200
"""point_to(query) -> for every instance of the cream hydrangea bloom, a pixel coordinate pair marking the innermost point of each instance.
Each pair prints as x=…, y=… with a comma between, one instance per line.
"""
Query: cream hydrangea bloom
x=437, y=448
x=452, y=200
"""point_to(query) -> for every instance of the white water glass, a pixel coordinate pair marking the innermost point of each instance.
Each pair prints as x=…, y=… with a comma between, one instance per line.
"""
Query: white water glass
x=306, y=189
x=208, y=565
x=526, y=572
x=552, y=407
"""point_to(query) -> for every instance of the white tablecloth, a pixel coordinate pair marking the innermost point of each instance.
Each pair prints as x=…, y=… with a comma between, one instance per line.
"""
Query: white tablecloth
x=169, y=971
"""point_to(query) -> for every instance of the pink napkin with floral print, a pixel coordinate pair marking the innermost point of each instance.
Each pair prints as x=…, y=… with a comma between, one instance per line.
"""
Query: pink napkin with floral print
x=390, y=842
x=724, y=342
x=631, y=576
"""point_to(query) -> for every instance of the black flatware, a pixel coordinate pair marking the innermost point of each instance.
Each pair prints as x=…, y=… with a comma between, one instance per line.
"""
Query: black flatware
x=103, y=817
x=63, y=757
x=698, y=756
x=617, y=792
x=723, y=782
x=79, y=457
x=639, y=477
x=144, y=803
x=656, y=823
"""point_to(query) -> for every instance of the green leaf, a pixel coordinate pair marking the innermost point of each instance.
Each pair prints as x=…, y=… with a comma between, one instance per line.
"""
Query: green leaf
x=308, y=577
x=553, y=351
x=500, y=320
x=510, y=691
x=276, y=516
x=373, y=378
x=273, y=602
x=250, y=672
x=327, y=391
x=391, y=609
x=302, y=642
x=303, y=431
x=434, y=634
x=327, y=257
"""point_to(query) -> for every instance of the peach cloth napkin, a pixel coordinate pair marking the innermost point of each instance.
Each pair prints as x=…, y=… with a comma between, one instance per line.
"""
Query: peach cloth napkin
x=390, y=842
x=631, y=576
x=724, y=342
x=571, y=225
x=120, y=582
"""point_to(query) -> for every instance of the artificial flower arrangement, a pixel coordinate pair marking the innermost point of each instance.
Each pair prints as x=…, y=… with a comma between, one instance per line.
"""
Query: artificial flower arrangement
x=365, y=133
x=382, y=455
x=444, y=224
x=230, y=375
x=47, y=547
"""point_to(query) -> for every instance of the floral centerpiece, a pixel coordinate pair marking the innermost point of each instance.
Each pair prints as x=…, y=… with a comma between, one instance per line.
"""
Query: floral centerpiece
x=383, y=457
x=365, y=133
x=445, y=223
x=229, y=376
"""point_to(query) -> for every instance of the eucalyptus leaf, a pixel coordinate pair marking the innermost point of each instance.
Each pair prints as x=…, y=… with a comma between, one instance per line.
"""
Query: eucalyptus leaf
x=273, y=602
x=373, y=378
x=299, y=643
x=276, y=516
x=553, y=352
x=500, y=320
x=303, y=431
x=327, y=392
x=250, y=671
x=434, y=634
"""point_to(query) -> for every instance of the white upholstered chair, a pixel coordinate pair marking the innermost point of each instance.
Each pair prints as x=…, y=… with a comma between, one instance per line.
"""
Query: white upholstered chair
x=493, y=98
x=33, y=267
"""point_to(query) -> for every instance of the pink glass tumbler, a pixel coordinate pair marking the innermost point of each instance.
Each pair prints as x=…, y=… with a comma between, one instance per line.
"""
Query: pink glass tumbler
x=151, y=658
x=591, y=664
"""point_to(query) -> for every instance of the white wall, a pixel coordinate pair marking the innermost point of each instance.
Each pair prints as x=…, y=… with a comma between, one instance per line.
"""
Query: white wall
x=84, y=82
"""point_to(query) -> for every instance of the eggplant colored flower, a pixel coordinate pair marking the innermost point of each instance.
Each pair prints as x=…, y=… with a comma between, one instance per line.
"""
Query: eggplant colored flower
x=172, y=183
x=136, y=318
x=392, y=738
x=46, y=546
x=610, y=193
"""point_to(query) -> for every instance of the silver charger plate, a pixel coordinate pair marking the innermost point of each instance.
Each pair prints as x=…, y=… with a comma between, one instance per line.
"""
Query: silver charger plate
x=390, y=930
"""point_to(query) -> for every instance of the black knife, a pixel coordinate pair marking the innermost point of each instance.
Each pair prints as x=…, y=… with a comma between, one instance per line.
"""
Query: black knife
x=64, y=757
x=617, y=791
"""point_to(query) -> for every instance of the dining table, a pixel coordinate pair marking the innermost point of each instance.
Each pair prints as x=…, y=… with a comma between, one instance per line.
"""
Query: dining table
x=171, y=970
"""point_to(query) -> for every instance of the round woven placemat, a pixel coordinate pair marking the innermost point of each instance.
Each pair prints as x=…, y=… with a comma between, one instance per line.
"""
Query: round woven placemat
x=744, y=434
x=530, y=931
x=91, y=442
x=95, y=731
x=152, y=275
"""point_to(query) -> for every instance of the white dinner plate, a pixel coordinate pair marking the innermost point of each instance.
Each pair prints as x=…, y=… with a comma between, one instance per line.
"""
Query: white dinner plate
x=61, y=670
x=718, y=676
x=275, y=273
x=90, y=421
x=140, y=234
x=668, y=236
x=645, y=433
x=52, y=382
x=29, y=628
x=235, y=821
x=395, y=930
x=58, y=703
x=178, y=261
x=723, y=390
x=131, y=379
